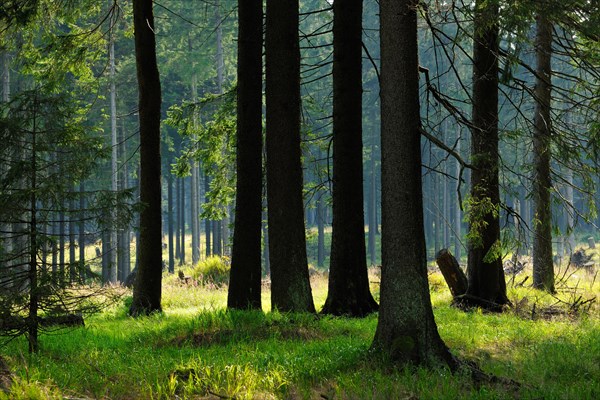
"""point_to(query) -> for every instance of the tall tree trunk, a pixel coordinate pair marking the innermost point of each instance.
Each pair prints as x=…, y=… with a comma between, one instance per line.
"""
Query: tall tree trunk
x=62, y=234
x=54, y=247
x=372, y=206
x=406, y=330
x=265, y=235
x=125, y=232
x=177, y=218
x=290, y=284
x=223, y=224
x=485, y=273
x=182, y=221
x=245, y=277
x=81, y=240
x=113, y=268
x=320, y=230
x=194, y=213
x=32, y=329
x=543, y=268
x=194, y=195
x=6, y=228
x=170, y=223
x=147, y=289
x=446, y=196
x=570, y=210
x=72, y=242
x=437, y=220
x=348, y=292
x=457, y=211
x=207, y=222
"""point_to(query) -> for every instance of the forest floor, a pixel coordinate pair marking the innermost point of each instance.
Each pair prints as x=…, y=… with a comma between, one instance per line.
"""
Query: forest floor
x=548, y=344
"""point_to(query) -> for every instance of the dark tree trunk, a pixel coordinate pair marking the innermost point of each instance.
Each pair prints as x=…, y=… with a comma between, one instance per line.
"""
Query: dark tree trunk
x=72, y=242
x=454, y=276
x=81, y=240
x=170, y=223
x=207, y=222
x=543, y=268
x=372, y=207
x=348, y=292
x=147, y=289
x=265, y=235
x=290, y=284
x=245, y=277
x=62, y=232
x=182, y=221
x=406, y=330
x=320, y=230
x=177, y=219
x=484, y=269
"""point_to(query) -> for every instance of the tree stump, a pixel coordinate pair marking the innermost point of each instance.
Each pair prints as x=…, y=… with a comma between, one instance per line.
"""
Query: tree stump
x=453, y=274
x=591, y=242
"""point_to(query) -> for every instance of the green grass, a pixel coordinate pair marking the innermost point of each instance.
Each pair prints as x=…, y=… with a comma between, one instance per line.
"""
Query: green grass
x=195, y=349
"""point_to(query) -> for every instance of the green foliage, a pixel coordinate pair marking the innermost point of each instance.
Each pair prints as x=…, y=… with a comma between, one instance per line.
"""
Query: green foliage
x=212, y=143
x=213, y=270
x=476, y=212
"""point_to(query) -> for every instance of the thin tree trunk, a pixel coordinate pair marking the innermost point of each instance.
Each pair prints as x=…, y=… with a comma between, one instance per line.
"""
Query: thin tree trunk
x=182, y=220
x=194, y=196
x=147, y=288
x=207, y=222
x=543, y=268
x=170, y=222
x=81, y=240
x=265, y=235
x=320, y=230
x=290, y=284
x=72, y=242
x=457, y=212
x=570, y=210
x=62, y=234
x=32, y=329
x=372, y=207
x=177, y=218
x=125, y=246
x=6, y=244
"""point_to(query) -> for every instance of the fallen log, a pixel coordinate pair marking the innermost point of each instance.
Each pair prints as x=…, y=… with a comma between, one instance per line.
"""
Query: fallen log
x=453, y=274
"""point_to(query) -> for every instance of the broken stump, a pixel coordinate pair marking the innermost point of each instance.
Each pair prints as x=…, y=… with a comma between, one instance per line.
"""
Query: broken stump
x=453, y=274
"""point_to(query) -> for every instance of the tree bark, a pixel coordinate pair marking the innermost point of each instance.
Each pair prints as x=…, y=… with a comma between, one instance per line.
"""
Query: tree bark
x=457, y=211
x=290, y=284
x=181, y=233
x=207, y=222
x=454, y=276
x=147, y=289
x=177, y=218
x=484, y=269
x=170, y=223
x=320, y=230
x=372, y=208
x=72, y=242
x=113, y=268
x=245, y=276
x=348, y=292
x=406, y=330
x=543, y=267
x=81, y=240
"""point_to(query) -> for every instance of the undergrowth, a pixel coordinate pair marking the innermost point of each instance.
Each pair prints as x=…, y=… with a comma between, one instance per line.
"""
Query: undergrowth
x=195, y=349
